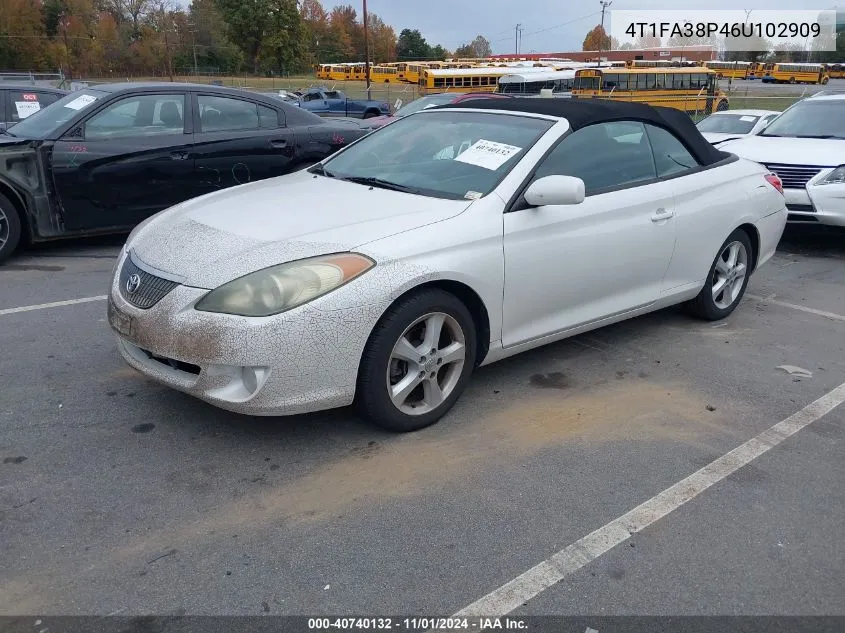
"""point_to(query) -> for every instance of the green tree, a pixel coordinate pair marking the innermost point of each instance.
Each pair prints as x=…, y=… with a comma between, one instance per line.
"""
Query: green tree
x=283, y=48
x=438, y=52
x=248, y=21
x=209, y=36
x=316, y=28
x=412, y=45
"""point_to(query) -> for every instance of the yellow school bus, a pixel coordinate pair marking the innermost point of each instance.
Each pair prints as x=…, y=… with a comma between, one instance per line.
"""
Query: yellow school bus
x=647, y=63
x=836, y=71
x=323, y=71
x=730, y=70
x=340, y=72
x=694, y=89
x=478, y=79
x=384, y=74
x=414, y=71
x=795, y=73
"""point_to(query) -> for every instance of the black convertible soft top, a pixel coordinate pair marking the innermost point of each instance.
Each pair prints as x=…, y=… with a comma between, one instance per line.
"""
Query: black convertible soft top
x=583, y=112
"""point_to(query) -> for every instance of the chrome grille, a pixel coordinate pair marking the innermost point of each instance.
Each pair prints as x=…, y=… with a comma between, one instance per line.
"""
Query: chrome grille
x=150, y=290
x=793, y=176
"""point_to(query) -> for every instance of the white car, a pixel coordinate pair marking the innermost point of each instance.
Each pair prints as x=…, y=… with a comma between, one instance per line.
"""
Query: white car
x=452, y=238
x=732, y=124
x=805, y=147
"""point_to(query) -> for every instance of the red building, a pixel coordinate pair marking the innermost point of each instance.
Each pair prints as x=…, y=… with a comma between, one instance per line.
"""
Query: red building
x=686, y=53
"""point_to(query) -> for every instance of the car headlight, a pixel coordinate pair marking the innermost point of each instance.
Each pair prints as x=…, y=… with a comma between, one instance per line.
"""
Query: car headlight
x=836, y=177
x=279, y=288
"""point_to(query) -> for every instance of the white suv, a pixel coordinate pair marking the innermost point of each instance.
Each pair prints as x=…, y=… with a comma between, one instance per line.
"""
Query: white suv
x=805, y=147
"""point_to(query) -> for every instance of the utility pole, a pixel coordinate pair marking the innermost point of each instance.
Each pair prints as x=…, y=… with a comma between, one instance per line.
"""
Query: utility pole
x=516, y=40
x=367, y=50
x=604, y=4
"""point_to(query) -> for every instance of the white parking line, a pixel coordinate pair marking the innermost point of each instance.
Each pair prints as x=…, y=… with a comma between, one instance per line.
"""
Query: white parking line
x=570, y=559
x=795, y=306
x=54, y=304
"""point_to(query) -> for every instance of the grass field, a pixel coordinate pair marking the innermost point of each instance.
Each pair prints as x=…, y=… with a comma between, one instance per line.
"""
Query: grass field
x=408, y=92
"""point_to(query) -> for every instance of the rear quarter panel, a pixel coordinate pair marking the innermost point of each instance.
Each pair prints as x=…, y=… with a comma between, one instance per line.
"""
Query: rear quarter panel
x=710, y=205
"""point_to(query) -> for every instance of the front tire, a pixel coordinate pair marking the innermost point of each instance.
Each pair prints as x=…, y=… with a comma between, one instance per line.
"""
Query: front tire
x=727, y=279
x=10, y=228
x=417, y=362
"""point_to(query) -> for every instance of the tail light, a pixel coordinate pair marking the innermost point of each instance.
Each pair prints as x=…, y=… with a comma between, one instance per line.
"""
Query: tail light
x=774, y=181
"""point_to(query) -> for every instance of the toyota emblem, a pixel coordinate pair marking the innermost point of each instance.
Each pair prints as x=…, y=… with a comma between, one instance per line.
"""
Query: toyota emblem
x=133, y=283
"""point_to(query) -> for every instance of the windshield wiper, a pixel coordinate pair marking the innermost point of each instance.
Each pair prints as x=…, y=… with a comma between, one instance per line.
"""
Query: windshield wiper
x=7, y=133
x=381, y=184
x=320, y=171
x=818, y=136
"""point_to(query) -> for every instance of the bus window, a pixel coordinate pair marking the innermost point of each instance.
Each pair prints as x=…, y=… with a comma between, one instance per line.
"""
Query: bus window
x=611, y=81
x=651, y=81
x=587, y=83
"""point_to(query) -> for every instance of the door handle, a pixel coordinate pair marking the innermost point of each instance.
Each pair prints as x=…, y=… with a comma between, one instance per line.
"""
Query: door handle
x=661, y=215
x=178, y=155
x=279, y=142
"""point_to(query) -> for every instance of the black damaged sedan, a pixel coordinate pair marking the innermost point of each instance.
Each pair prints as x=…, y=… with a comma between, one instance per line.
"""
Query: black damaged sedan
x=101, y=160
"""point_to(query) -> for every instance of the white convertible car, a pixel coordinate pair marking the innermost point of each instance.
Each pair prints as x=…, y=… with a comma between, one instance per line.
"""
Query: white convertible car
x=452, y=238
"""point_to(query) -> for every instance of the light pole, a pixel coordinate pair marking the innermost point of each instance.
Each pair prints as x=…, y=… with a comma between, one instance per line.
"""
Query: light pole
x=604, y=4
x=367, y=50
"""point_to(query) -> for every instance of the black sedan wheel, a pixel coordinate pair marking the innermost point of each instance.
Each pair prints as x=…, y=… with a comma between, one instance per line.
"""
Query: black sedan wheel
x=10, y=228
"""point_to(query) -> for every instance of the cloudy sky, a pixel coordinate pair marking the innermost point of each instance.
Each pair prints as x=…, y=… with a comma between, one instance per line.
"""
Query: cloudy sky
x=548, y=25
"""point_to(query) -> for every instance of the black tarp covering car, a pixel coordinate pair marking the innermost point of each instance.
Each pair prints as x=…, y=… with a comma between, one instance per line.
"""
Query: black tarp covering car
x=101, y=160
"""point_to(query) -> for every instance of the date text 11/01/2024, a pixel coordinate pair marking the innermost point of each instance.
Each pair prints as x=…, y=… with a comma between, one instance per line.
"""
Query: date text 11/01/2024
x=417, y=623
x=713, y=29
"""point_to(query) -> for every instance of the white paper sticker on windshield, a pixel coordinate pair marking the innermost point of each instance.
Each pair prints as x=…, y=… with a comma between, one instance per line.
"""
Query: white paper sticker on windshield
x=430, y=105
x=26, y=108
x=80, y=102
x=487, y=154
x=748, y=118
x=473, y=195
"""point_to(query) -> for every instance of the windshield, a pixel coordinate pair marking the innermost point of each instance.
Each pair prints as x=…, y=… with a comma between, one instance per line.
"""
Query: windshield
x=810, y=119
x=729, y=123
x=444, y=154
x=45, y=122
x=425, y=102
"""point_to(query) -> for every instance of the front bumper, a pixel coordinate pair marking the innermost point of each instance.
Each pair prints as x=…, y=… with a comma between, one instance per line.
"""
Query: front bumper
x=817, y=204
x=303, y=360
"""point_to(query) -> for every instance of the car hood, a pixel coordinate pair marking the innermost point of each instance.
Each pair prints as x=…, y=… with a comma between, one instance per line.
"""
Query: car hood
x=788, y=151
x=218, y=237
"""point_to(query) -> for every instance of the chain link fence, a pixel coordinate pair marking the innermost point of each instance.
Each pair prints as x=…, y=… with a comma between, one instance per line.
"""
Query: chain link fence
x=740, y=95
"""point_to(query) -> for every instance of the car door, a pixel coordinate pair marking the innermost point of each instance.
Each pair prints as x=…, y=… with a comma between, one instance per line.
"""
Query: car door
x=128, y=160
x=239, y=141
x=335, y=103
x=317, y=102
x=571, y=265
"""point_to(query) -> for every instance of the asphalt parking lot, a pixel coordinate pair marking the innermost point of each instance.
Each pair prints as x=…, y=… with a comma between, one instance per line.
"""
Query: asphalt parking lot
x=119, y=496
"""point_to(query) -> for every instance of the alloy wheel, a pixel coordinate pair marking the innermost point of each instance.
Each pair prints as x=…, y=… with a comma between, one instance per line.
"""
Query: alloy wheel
x=426, y=363
x=729, y=274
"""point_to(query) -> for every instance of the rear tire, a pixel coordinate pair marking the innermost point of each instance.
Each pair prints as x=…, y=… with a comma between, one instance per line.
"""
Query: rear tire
x=727, y=279
x=10, y=228
x=417, y=362
x=369, y=114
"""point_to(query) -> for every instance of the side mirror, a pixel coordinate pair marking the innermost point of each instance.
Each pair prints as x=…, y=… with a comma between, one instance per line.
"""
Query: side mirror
x=555, y=190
